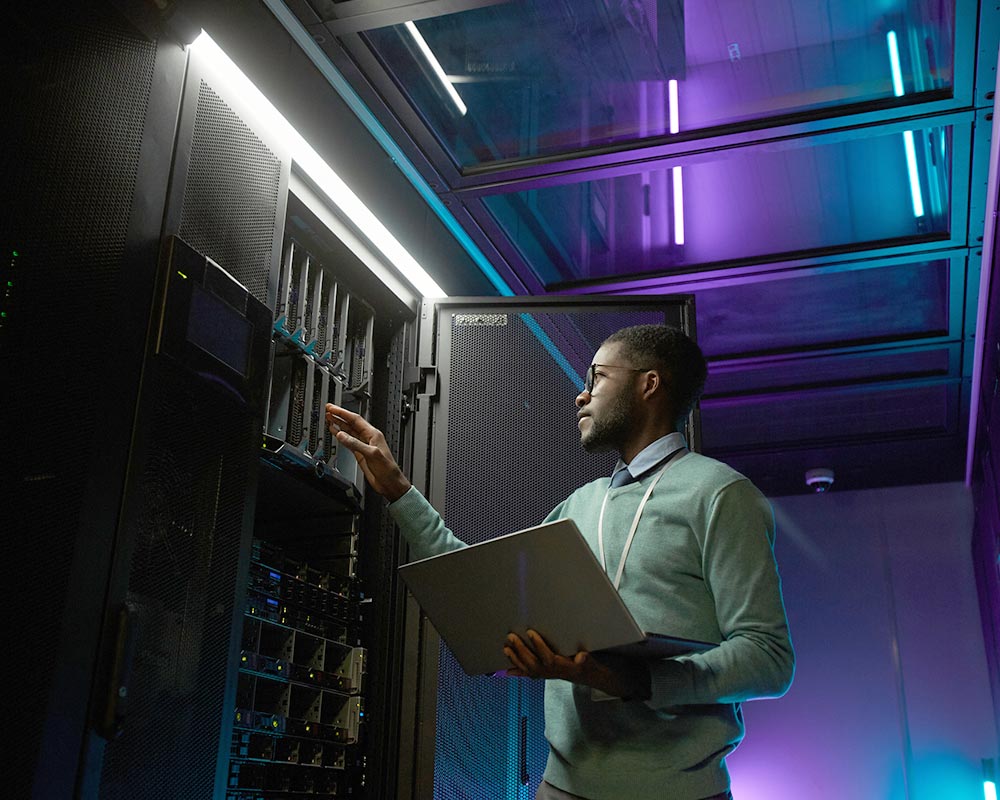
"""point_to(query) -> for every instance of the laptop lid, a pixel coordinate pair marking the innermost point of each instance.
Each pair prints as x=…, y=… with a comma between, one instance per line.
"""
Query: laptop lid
x=545, y=578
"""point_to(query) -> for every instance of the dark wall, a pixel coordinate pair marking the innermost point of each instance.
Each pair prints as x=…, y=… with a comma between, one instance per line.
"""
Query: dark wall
x=986, y=473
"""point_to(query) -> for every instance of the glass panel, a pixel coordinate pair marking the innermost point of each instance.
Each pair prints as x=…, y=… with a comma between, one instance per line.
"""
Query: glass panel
x=804, y=373
x=753, y=202
x=826, y=416
x=858, y=306
x=537, y=78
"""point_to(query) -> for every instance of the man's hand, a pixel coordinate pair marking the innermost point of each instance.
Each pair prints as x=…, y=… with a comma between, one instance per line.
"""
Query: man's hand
x=368, y=445
x=613, y=675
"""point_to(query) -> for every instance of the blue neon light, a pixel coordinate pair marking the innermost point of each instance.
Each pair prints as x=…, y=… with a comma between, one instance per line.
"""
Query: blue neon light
x=368, y=119
x=908, y=143
x=897, y=72
x=911, y=168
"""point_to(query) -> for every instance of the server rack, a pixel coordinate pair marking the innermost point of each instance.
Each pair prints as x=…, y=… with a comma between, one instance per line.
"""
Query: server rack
x=317, y=697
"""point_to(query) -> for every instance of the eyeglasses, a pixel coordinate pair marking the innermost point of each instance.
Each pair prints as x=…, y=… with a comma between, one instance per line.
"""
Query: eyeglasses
x=591, y=377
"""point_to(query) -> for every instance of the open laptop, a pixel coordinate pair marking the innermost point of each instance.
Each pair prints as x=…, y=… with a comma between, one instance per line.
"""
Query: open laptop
x=545, y=578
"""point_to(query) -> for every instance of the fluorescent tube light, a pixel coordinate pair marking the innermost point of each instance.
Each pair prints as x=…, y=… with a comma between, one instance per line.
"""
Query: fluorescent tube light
x=675, y=124
x=911, y=168
x=908, y=144
x=317, y=169
x=449, y=87
x=678, y=206
x=897, y=72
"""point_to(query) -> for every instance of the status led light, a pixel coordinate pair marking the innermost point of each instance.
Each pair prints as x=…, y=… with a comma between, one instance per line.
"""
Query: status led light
x=425, y=48
x=317, y=169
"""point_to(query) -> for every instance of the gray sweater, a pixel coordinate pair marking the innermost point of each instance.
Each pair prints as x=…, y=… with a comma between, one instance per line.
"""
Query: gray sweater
x=701, y=566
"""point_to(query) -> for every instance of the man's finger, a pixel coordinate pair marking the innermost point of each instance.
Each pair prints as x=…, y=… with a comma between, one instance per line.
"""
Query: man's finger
x=525, y=655
x=512, y=657
x=541, y=648
x=350, y=420
x=356, y=445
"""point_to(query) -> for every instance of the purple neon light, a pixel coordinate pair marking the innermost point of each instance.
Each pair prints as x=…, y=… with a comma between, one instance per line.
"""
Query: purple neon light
x=675, y=124
x=678, y=179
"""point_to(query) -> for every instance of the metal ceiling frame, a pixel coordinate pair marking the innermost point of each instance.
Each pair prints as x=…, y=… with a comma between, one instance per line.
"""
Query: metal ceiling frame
x=351, y=52
x=967, y=106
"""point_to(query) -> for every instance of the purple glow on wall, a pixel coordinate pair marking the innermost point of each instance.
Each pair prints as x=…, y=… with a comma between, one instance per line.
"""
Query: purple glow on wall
x=891, y=695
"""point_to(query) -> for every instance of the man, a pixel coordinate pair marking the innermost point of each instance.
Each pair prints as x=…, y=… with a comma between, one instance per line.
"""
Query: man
x=688, y=542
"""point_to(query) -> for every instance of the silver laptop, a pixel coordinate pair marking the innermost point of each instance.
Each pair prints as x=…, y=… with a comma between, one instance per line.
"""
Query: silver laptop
x=545, y=578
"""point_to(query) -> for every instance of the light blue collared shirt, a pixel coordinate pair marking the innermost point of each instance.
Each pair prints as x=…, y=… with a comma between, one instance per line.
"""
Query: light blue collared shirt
x=652, y=454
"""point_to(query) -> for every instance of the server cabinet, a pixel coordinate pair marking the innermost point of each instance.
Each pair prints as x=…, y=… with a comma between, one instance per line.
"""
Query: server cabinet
x=135, y=403
x=497, y=423
x=316, y=705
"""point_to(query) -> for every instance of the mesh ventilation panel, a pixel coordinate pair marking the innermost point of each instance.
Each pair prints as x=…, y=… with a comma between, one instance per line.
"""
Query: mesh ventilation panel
x=230, y=209
x=186, y=533
x=74, y=98
x=513, y=454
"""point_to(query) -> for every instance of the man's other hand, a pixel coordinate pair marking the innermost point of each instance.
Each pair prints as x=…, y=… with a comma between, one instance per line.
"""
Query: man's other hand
x=613, y=675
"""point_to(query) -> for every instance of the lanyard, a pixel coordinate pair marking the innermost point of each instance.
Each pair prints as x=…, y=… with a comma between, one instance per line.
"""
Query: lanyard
x=635, y=520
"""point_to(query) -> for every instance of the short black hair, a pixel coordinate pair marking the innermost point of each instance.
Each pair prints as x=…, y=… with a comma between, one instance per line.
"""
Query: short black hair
x=673, y=351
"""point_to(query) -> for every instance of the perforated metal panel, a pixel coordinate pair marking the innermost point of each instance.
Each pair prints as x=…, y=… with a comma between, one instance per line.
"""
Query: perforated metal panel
x=513, y=454
x=231, y=198
x=185, y=526
x=74, y=93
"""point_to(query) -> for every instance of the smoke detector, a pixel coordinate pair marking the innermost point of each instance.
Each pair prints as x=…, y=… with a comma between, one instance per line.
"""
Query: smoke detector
x=819, y=479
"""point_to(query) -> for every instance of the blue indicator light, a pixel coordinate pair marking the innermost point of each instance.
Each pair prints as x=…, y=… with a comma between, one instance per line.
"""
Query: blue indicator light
x=275, y=575
x=272, y=602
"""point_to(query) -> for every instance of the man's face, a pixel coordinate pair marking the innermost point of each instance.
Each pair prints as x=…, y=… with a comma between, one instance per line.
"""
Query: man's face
x=607, y=412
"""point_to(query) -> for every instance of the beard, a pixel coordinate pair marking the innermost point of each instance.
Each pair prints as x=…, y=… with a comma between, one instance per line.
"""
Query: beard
x=610, y=429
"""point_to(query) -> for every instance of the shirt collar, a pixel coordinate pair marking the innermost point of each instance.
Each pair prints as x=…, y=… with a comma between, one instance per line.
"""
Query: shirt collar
x=652, y=454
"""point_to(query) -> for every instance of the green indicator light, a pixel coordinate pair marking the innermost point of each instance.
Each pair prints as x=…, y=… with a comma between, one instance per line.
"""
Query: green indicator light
x=3, y=314
x=182, y=274
x=15, y=254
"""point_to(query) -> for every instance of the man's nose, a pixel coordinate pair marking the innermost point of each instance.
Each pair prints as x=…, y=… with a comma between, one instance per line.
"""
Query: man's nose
x=583, y=398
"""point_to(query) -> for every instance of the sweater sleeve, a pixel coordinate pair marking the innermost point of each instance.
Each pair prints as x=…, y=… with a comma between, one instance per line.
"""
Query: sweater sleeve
x=422, y=526
x=755, y=658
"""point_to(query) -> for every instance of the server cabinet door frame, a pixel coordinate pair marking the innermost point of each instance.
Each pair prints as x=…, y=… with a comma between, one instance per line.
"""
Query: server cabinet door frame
x=495, y=448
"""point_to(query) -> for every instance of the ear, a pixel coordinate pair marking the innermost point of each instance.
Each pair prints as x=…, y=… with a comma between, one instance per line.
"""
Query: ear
x=652, y=383
x=655, y=389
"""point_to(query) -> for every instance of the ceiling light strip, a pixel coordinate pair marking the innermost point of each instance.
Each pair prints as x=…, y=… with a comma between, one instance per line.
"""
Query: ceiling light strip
x=678, y=179
x=310, y=162
x=897, y=72
x=678, y=206
x=332, y=75
x=909, y=146
x=911, y=167
x=675, y=120
x=438, y=70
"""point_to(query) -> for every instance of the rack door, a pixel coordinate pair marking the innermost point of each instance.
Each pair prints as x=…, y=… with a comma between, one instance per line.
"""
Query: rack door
x=497, y=418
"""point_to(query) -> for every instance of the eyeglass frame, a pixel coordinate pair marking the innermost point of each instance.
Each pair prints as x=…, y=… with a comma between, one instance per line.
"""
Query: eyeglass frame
x=590, y=376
